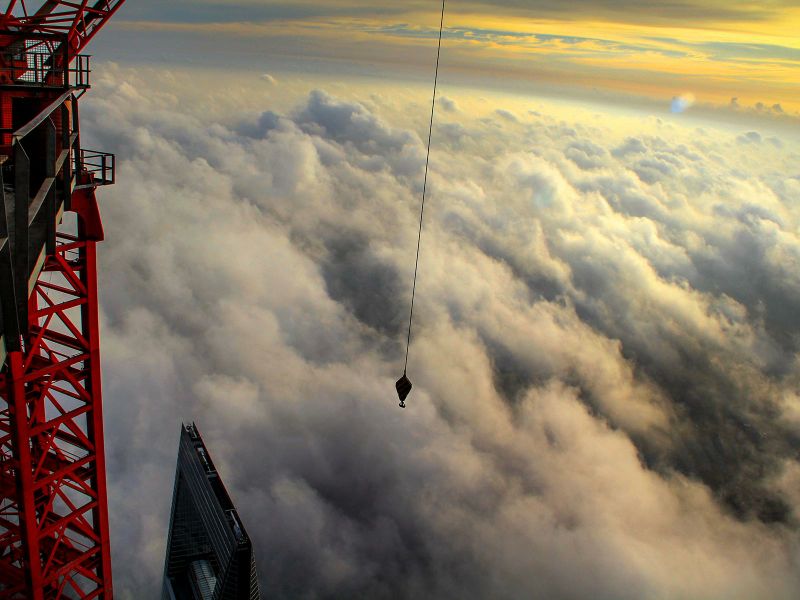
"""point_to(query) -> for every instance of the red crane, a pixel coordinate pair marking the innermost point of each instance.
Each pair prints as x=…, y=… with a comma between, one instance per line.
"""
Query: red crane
x=54, y=539
x=79, y=21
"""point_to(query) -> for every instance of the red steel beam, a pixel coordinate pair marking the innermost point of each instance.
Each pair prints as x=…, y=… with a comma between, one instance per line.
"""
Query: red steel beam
x=54, y=533
x=54, y=538
x=79, y=20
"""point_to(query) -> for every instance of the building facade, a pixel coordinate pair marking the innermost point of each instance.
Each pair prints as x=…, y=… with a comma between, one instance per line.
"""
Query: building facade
x=209, y=554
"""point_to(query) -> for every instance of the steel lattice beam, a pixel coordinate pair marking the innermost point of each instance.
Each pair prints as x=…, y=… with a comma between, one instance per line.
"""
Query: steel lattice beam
x=78, y=20
x=54, y=539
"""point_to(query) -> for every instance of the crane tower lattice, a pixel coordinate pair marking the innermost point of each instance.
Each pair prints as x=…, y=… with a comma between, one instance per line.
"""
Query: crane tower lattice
x=54, y=538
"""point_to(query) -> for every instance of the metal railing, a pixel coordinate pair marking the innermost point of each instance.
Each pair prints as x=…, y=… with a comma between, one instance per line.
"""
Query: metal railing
x=79, y=71
x=35, y=68
x=99, y=166
x=40, y=61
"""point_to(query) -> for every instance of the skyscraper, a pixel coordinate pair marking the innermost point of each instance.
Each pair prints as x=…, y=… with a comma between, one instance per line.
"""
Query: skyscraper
x=209, y=555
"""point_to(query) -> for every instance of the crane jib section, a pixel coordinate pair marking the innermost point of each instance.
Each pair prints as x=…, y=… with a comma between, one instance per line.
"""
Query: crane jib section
x=78, y=20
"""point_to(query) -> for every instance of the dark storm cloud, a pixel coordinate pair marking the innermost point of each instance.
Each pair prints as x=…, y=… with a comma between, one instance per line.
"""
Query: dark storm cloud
x=605, y=398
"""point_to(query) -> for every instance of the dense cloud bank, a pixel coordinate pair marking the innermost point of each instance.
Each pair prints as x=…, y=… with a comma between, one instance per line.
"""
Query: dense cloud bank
x=605, y=401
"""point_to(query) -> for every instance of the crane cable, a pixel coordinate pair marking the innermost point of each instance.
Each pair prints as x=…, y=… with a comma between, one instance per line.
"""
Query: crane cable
x=403, y=384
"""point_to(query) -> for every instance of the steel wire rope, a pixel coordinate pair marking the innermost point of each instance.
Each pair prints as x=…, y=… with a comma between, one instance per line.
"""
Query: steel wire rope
x=422, y=206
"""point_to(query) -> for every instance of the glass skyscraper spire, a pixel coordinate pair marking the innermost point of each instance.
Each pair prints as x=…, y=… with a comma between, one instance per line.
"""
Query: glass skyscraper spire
x=209, y=555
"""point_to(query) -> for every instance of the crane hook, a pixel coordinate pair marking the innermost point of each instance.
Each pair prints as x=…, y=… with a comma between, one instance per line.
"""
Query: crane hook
x=403, y=386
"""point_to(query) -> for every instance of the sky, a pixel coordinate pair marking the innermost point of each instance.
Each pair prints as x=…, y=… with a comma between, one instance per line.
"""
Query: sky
x=605, y=350
x=727, y=54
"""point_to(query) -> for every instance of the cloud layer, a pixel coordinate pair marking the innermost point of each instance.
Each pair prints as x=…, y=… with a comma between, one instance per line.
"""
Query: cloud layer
x=605, y=401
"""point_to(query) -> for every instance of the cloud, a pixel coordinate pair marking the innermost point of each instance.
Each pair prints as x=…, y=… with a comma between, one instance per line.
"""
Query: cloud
x=506, y=115
x=266, y=77
x=631, y=146
x=604, y=359
x=448, y=104
x=348, y=124
x=682, y=102
x=751, y=137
